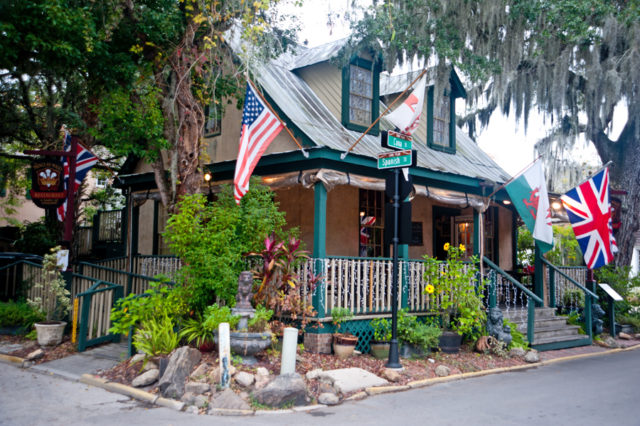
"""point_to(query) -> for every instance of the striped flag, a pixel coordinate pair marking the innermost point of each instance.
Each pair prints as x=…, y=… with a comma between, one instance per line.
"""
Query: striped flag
x=259, y=127
x=85, y=160
x=589, y=212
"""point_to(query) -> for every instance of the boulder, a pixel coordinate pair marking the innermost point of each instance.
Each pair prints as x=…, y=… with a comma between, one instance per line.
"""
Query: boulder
x=200, y=371
x=261, y=371
x=625, y=336
x=146, y=378
x=391, y=375
x=182, y=362
x=244, y=379
x=284, y=389
x=313, y=374
x=150, y=365
x=532, y=356
x=517, y=352
x=328, y=398
x=228, y=400
x=137, y=358
x=197, y=388
x=442, y=371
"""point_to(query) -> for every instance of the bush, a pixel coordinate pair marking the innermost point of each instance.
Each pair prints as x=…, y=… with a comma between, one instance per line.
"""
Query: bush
x=18, y=314
x=212, y=239
x=156, y=336
x=422, y=335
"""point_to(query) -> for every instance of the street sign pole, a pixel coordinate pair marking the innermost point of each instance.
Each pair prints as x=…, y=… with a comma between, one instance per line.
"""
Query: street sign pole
x=394, y=361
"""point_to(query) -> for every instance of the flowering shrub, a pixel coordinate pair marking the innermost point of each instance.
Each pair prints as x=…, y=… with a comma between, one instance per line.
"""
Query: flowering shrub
x=455, y=283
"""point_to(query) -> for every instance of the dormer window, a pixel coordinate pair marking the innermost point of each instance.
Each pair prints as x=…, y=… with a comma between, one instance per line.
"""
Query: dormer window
x=441, y=116
x=360, y=93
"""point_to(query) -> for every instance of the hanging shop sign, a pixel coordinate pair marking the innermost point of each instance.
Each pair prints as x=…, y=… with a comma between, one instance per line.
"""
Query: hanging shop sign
x=47, y=183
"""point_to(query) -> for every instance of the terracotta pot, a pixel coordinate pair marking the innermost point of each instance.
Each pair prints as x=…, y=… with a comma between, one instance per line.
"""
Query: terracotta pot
x=50, y=332
x=345, y=339
x=343, y=351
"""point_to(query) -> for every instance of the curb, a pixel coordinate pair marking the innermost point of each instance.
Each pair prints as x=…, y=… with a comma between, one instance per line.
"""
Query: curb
x=9, y=359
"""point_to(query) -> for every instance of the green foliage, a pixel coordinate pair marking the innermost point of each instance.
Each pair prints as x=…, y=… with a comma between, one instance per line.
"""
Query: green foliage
x=618, y=278
x=574, y=318
x=566, y=250
x=156, y=336
x=216, y=315
x=526, y=245
x=160, y=300
x=38, y=237
x=55, y=301
x=339, y=316
x=573, y=297
x=417, y=333
x=381, y=329
x=460, y=295
x=14, y=314
x=211, y=239
x=518, y=339
x=260, y=321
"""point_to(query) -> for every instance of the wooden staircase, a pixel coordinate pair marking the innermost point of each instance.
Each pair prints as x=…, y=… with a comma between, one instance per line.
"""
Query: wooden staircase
x=550, y=330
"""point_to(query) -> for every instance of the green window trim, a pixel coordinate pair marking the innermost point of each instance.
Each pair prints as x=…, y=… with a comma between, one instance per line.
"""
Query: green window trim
x=451, y=148
x=374, y=67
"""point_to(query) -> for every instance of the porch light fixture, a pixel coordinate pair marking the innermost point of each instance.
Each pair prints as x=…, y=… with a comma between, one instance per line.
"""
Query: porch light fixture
x=207, y=177
x=361, y=214
x=506, y=202
x=556, y=205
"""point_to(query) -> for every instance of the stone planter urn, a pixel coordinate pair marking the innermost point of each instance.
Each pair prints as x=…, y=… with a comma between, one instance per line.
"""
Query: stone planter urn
x=248, y=344
x=50, y=332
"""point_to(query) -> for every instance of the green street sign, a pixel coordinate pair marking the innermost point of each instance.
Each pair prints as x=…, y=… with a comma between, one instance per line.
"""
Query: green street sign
x=395, y=140
x=395, y=159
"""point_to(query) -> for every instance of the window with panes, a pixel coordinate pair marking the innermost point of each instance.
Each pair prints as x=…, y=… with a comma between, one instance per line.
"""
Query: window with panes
x=371, y=223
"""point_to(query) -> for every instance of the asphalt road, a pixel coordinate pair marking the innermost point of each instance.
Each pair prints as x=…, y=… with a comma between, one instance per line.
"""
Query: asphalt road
x=600, y=390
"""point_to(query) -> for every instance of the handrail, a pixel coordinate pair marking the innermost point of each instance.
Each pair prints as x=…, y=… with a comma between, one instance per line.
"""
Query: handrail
x=571, y=280
x=94, y=288
x=512, y=280
x=17, y=262
x=130, y=274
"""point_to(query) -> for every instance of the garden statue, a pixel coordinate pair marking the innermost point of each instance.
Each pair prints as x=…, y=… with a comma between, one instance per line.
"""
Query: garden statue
x=496, y=328
x=596, y=318
x=243, y=299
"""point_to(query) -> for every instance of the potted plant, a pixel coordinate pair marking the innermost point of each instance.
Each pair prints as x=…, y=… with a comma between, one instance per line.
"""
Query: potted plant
x=455, y=284
x=416, y=338
x=343, y=343
x=54, y=302
x=381, y=338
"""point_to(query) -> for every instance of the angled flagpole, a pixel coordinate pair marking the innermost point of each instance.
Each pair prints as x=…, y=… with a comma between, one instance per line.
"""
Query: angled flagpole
x=344, y=154
x=305, y=153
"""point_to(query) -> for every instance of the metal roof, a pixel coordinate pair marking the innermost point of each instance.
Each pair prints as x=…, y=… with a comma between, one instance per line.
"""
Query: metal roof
x=303, y=107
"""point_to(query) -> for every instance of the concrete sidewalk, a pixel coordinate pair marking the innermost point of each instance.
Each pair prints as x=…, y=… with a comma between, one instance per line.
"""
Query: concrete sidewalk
x=88, y=362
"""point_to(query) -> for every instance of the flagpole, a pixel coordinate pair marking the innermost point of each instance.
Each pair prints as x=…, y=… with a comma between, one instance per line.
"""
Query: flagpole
x=607, y=164
x=527, y=167
x=344, y=154
x=100, y=160
x=305, y=153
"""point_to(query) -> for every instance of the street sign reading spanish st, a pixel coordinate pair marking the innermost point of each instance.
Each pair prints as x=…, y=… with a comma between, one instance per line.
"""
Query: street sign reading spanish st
x=395, y=159
x=395, y=140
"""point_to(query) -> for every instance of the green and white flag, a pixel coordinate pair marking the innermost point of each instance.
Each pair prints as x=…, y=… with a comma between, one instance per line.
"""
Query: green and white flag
x=528, y=192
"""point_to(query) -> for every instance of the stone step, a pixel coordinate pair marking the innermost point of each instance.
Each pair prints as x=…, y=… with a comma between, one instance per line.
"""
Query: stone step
x=520, y=314
x=558, y=322
x=555, y=339
x=570, y=330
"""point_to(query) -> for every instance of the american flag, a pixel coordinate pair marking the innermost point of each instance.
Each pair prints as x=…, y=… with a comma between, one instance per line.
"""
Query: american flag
x=590, y=215
x=85, y=160
x=259, y=127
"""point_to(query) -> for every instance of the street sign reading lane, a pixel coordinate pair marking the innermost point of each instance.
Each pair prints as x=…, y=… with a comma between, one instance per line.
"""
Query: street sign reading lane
x=395, y=159
x=395, y=140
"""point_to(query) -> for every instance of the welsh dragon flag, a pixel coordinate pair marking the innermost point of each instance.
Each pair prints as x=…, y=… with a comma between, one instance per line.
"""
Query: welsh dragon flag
x=528, y=192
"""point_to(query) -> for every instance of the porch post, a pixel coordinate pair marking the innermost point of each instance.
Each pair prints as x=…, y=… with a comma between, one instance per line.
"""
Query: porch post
x=476, y=233
x=538, y=283
x=319, y=244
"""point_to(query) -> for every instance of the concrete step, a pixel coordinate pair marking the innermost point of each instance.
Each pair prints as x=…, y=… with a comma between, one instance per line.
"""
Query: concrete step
x=556, y=339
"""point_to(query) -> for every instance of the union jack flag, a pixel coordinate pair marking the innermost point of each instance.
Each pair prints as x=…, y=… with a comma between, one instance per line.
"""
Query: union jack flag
x=590, y=215
x=85, y=160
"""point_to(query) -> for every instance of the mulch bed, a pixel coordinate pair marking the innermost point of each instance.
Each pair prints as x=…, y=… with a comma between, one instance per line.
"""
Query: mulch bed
x=64, y=349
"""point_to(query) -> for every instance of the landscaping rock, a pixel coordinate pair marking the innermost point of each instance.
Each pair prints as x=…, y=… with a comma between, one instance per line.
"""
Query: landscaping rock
x=190, y=398
x=137, y=358
x=197, y=388
x=313, y=374
x=181, y=363
x=442, y=371
x=532, y=356
x=326, y=387
x=391, y=375
x=214, y=376
x=624, y=336
x=262, y=378
x=244, y=379
x=284, y=389
x=150, y=366
x=228, y=400
x=261, y=371
x=37, y=354
x=200, y=371
x=146, y=378
x=328, y=398
x=346, y=380
x=517, y=352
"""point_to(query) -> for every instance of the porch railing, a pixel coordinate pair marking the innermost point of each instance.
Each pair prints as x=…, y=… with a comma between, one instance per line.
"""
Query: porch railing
x=503, y=287
x=131, y=283
x=147, y=265
x=562, y=293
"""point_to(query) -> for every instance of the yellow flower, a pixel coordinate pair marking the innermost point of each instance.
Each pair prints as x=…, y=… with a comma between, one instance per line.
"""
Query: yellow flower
x=429, y=289
x=463, y=248
x=446, y=246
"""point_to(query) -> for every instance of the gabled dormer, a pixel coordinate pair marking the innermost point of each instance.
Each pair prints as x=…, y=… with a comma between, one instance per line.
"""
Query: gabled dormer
x=441, y=115
x=361, y=93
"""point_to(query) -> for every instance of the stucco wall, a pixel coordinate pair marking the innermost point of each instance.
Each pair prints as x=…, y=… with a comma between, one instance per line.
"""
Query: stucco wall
x=297, y=202
x=145, y=230
x=505, y=224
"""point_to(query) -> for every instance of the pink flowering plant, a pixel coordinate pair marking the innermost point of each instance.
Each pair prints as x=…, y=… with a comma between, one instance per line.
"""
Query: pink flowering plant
x=455, y=286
